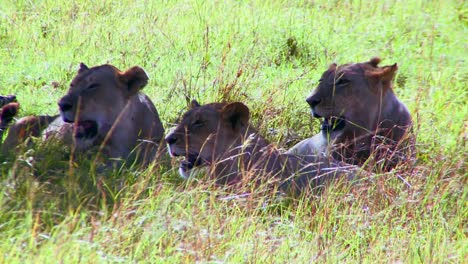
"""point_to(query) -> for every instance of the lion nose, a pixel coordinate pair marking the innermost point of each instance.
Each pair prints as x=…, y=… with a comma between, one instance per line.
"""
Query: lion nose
x=65, y=105
x=312, y=102
x=171, y=139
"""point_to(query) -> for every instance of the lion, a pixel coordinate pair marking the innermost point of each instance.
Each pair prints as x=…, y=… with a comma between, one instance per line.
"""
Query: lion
x=218, y=136
x=103, y=109
x=4, y=100
x=23, y=129
x=362, y=116
x=8, y=110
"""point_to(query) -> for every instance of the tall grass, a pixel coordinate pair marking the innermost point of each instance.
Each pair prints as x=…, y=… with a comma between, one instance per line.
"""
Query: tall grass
x=268, y=54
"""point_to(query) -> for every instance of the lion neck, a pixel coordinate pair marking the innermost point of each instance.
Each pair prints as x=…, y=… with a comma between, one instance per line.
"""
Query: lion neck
x=394, y=119
x=254, y=161
x=388, y=127
x=239, y=157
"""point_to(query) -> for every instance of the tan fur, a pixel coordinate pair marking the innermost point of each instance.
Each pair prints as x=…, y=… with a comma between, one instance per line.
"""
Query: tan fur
x=375, y=123
x=103, y=108
x=218, y=136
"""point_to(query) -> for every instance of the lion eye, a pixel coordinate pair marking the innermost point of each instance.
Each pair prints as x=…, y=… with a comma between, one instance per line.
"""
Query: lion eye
x=92, y=86
x=341, y=81
x=198, y=123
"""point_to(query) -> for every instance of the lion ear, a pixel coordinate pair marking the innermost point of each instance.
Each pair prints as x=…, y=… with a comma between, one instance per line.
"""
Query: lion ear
x=82, y=68
x=374, y=61
x=135, y=78
x=7, y=113
x=384, y=75
x=237, y=114
x=389, y=72
x=194, y=103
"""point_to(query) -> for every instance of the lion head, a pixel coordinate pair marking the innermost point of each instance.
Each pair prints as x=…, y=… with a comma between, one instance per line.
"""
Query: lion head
x=96, y=98
x=107, y=109
x=357, y=103
x=205, y=133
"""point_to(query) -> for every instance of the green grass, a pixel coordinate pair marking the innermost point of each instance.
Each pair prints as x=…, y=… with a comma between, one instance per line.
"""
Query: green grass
x=270, y=55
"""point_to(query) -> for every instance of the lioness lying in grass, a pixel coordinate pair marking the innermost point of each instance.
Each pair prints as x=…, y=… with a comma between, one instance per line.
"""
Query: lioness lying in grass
x=218, y=136
x=102, y=109
x=363, y=118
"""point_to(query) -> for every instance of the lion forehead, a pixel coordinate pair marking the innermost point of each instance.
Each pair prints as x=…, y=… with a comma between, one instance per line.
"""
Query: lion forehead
x=103, y=73
x=209, y=112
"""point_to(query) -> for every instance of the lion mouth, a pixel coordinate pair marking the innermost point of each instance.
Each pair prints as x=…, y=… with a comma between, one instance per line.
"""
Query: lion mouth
x=333, y=124
x=85, y=129
x=191, y=161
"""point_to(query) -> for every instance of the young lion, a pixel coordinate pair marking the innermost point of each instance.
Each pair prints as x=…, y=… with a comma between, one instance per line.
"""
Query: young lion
x=103, y=108
x=362, y=116
x=218, y=136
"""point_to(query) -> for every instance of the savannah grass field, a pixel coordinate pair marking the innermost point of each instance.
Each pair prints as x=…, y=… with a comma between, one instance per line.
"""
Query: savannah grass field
x=270, y=55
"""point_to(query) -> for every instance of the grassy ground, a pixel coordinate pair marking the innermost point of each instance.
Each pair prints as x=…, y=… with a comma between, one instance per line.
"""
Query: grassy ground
x=268, y=54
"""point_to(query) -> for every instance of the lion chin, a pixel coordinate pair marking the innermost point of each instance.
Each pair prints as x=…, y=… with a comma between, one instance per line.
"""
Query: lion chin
x=82, y=144
x=186, y=173
x=190, y=165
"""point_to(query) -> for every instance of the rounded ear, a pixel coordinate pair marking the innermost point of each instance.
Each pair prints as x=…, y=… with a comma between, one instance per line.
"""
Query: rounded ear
x=135, y=78
x=7, y=113
x=384, y=75
x=237, y=114
x=374, y=61
x=7, y=99
x=82, y=68
x=332, y=67
x=389, y=72
x=194, y=104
